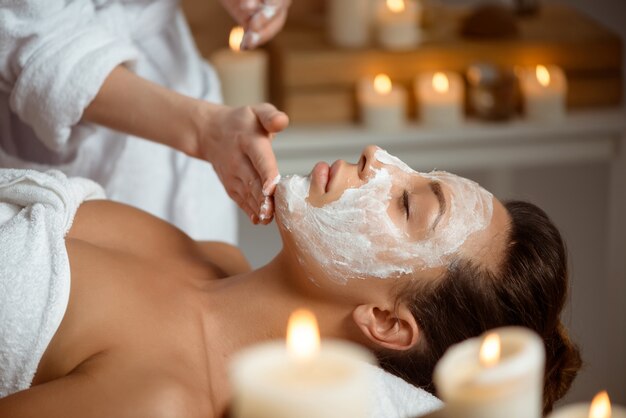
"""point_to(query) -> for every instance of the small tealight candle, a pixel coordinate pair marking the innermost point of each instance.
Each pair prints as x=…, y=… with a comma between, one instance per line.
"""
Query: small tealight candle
x=500, y=375
x=544, y=90
x=440, y=98
x=304, y=379
x=600, y=408
x=382, y=103
x=349, y=22
x=397, y=23
x=243, y=74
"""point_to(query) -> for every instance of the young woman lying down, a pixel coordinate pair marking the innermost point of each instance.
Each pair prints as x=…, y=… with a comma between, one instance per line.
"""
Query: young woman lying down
x=108, y=311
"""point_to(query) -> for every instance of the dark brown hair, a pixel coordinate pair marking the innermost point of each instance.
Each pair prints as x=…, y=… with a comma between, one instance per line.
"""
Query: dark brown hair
x=529, y=289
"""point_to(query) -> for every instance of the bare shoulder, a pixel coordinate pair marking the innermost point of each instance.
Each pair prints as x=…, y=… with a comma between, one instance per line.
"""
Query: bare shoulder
x=226, y=257
x=124, y=228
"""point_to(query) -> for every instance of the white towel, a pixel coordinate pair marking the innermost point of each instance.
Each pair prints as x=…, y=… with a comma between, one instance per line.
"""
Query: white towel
x=395, y=398
x=36, y=211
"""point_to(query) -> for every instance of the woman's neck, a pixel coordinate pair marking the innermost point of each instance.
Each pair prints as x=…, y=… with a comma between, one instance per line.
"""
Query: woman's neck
x=255, y=306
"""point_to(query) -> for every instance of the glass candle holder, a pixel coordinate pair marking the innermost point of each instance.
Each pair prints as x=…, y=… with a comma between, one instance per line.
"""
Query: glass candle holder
x=492, y=91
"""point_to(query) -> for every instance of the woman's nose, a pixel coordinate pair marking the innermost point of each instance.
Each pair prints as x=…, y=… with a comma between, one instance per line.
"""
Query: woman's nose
x=367, y=160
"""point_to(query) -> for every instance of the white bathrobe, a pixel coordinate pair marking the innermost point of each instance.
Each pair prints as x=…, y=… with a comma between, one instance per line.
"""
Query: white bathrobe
x=54, y=57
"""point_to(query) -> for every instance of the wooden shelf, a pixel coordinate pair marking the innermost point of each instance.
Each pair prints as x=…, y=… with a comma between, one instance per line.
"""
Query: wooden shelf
x=314, y=81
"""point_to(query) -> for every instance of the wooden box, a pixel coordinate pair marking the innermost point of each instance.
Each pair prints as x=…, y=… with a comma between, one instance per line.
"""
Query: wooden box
x=314, y=82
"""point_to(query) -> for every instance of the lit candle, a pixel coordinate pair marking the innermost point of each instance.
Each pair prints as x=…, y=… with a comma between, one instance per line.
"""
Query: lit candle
x=600, y=408
x=544, y=90
x=397, y=23
x=498, y=376
x=243, y=74
x=382, y=103
x=440, y=97
x=349, y=22
x=303, y=379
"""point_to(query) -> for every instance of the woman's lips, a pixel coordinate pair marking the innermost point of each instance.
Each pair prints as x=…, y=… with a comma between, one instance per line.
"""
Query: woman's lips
x=320, y=175
x=323, y=174
x=332, y=173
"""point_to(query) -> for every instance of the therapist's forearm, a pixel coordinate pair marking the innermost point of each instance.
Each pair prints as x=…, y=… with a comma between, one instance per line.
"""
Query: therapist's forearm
x=129, y=103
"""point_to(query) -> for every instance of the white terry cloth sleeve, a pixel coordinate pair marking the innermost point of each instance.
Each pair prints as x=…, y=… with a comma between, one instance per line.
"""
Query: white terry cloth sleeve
x=36, y=211
x=54, y=57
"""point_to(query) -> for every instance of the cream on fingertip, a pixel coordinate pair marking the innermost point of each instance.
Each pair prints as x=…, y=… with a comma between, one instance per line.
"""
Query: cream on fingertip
x=265, y=208
x=269, y=11
x=268, y=186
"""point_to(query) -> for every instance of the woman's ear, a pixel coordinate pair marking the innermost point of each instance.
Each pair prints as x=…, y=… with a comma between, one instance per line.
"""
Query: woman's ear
x=396, y=330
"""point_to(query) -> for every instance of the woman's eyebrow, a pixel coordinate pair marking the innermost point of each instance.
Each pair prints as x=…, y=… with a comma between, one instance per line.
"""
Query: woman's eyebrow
x=435, y=186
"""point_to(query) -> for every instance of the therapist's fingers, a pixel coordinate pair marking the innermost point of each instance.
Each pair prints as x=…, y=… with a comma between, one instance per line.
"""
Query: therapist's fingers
x=243, y=10
x=243, y=185
x=263, y=159
x=250, y=185
x=242, y=202
x=261, y=205
x=267, y=210
x=250, y=6
x=251, y=205
x=272, y=119
x=267, y=31
x=267, y=11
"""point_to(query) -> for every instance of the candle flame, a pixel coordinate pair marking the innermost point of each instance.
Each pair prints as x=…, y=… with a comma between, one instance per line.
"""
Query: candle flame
x=543, y=75
x=382, y=84
x=440, y=82
x=303, y=336
x=490, y=350
x=235, y=38
x=396, y=6
x=600, y=406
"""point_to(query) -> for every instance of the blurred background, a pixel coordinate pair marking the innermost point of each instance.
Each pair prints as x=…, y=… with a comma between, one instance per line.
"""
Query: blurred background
x=574, y=167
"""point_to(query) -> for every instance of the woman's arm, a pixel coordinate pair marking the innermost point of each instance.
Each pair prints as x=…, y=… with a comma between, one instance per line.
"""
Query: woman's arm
x=237, y=141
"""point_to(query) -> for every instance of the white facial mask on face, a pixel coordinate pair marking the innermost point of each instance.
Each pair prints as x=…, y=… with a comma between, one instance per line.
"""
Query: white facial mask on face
x=343, y=236
x=355, y=237
x=470, y=209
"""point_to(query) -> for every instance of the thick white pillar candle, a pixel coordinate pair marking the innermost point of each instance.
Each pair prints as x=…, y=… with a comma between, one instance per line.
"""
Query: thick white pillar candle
x=397, y=24
x=440, y=98
x=510, y=386
x=243, y=74
x=349, y=22
x=273, y=381
x=600, y=407
x=382, y=104
x=544, y=90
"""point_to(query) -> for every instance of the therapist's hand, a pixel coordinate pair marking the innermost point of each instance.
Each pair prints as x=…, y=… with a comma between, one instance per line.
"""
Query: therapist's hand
x=237, y=141
x=261, y=19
